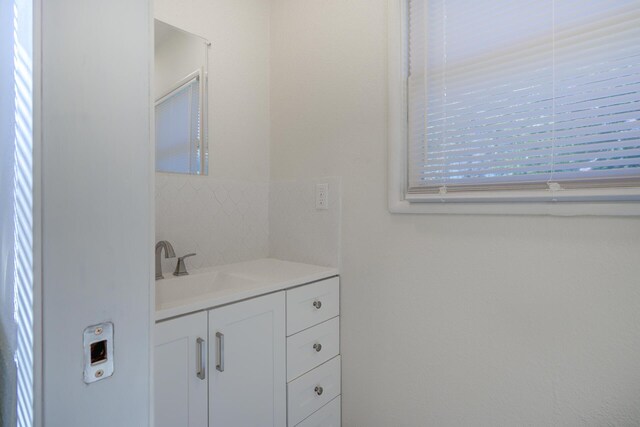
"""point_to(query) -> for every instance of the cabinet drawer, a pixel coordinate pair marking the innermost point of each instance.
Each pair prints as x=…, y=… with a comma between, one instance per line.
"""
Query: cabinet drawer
x=312, y=304
x=313, y=390
x=327, y=416
x=312, y=347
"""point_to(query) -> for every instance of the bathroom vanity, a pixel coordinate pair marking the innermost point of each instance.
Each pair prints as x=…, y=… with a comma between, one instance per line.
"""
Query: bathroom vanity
x=248, y=344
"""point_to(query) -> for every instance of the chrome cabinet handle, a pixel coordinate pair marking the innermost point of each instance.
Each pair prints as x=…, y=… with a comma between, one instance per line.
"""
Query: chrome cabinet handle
x=220, y=340
x=319, y=390
x=200, y=359
x=317, y=304
x=317, y=347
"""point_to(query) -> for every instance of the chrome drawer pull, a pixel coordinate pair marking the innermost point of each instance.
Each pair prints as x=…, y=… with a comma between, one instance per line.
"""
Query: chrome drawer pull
x=317, y=304
x=319, y=390
x=317, y=347
x=220, y=339
x=201, y=359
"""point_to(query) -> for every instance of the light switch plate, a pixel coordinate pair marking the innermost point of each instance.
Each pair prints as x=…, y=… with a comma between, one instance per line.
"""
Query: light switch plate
x=322, y=196
x=98, y=352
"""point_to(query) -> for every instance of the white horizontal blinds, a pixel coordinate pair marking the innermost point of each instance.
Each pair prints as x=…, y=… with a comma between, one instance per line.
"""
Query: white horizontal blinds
x=195, y=129
x=417, y=85
x=523, y=93
x=178, y=130
x=597, y=107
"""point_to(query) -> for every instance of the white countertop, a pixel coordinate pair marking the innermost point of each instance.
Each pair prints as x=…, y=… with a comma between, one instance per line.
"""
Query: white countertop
x=212, y=287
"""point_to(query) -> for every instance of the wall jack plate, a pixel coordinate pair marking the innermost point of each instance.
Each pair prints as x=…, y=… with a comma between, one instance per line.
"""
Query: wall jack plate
x=322, y=196
x=98, y=352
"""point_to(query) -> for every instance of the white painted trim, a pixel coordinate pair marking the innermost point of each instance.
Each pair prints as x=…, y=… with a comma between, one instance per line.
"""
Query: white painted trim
x=152, y=219
x=515, y=208
x=601, y=202
x=631, y=194
x=397, y=99
x=180, y=84
x=38, y=347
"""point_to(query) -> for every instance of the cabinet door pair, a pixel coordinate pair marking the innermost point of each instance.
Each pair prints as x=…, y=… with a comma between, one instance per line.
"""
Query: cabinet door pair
x=223, y=368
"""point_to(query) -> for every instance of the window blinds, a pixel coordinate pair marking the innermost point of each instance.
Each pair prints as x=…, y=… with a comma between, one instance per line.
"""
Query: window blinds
x=178, y=130
x=506, y=94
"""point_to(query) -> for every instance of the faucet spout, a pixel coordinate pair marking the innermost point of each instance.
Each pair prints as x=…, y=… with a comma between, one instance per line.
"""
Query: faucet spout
x=168, y=253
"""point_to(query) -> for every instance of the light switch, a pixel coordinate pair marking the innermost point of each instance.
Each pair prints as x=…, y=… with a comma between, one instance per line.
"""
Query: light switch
x=98, y=352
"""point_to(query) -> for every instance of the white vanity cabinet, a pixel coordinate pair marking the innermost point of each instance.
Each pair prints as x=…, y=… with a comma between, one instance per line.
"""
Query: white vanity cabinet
x=247, y=384
x=313, y=354
x=180, y=376
x=266, y=361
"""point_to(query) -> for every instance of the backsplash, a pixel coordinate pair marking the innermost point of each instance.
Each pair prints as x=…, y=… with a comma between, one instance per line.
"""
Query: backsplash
x=297, y=230
x=223, y=221
x=228, y=221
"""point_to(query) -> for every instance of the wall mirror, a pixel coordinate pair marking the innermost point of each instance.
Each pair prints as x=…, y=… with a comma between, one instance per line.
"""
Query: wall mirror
x=180, y=84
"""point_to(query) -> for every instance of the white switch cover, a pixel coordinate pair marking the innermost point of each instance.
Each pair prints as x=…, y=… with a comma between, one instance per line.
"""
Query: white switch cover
x=322, y=196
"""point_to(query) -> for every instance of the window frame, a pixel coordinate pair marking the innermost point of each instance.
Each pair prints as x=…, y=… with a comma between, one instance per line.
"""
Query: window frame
x=574, y=202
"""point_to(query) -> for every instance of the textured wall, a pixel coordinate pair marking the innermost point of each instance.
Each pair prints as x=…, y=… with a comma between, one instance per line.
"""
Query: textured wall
x=448, y=320
x=297, y=230
x=223, y=221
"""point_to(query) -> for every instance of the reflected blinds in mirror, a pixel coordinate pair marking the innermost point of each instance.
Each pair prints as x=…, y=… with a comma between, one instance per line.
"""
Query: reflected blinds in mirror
x=178, y=130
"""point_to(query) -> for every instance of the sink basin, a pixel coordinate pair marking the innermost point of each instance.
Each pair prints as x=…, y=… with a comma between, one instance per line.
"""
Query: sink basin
x=174, y=291
x=213, y=287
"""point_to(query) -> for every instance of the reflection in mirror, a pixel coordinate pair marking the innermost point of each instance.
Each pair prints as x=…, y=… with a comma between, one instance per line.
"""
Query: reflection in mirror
x=181, y=67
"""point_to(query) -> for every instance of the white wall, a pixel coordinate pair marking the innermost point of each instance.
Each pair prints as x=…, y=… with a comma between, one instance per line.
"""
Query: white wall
x=96, y=203
x=300, y=232
x=223, y=221
x=177, y=54
x=224, y=216
x=448, y=320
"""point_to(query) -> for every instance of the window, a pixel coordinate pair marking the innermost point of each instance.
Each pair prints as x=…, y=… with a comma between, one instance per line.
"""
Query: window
x=528, y=100
x=178, y=133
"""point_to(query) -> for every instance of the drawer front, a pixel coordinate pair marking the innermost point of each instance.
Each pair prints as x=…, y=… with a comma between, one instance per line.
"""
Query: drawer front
x=312, y=347
x=312, y=304
x=313, y=390
x=327, y=416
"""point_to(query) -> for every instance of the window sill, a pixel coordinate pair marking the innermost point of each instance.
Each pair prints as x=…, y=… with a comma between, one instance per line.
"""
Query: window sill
x=516, y=208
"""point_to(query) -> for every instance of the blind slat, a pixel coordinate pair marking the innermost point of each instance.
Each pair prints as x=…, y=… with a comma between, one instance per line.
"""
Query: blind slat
x=504, y=92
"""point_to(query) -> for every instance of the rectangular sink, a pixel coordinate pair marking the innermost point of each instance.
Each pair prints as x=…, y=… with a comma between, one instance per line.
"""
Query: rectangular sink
x=175, y=291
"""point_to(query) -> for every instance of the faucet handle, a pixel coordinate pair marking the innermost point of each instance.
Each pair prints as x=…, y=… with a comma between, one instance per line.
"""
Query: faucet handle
x=181, y=268
x=188, y=255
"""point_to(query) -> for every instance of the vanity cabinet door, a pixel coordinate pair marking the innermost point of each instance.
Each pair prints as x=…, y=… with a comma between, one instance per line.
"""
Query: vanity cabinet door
x=247, y=386
x=180, y=372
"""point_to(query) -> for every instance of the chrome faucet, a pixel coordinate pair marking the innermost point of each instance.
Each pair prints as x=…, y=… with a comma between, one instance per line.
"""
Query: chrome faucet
x=168, y=253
